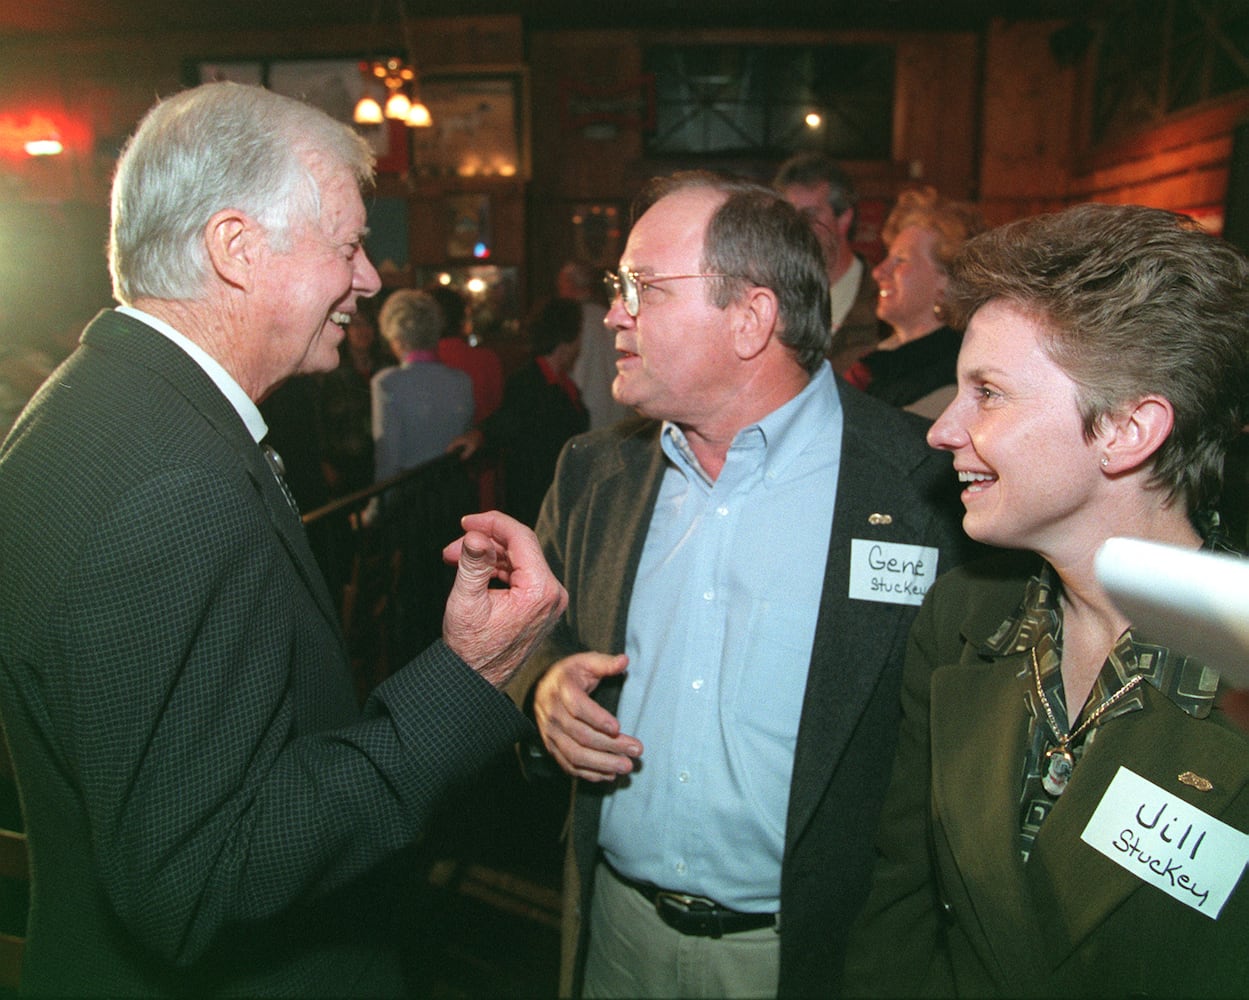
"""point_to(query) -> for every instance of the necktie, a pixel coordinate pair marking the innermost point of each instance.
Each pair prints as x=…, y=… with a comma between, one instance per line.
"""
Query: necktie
x=278, y=469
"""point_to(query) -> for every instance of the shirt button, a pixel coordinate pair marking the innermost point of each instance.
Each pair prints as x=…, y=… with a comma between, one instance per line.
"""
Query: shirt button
x=680, y=867
x=683, y=777
x=697, y=685
x=709, y=595
x=722, y=511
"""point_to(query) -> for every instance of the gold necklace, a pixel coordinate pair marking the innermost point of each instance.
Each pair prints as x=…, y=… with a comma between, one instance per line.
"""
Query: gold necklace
x=1059, y=761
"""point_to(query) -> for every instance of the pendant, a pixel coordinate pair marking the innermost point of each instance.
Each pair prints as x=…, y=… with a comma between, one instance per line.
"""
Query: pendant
x=1059, y=764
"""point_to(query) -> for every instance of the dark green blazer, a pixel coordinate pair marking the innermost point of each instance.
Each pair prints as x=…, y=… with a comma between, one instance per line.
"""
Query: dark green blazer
x=593, y=526
x=208, y=810
x=954, y=911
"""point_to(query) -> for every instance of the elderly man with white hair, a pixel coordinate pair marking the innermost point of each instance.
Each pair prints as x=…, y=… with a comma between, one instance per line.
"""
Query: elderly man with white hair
x=208, y=810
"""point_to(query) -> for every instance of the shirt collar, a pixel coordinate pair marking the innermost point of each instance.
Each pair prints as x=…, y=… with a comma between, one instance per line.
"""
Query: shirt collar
x=1037, y=624
x=845, y=290
x=778, y=438
x=246, y=409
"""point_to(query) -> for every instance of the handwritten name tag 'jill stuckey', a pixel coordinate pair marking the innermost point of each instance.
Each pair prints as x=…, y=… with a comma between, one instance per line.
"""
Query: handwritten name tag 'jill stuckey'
x=892, y=572
x=1164, y=841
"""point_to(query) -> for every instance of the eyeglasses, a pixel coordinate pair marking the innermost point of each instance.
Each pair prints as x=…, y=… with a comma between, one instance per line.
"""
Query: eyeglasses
x=629, y=285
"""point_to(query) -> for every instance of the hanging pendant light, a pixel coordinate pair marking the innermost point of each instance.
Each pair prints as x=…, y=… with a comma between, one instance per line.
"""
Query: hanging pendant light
x=368, y=111
x=400, y=77
x=398, y=105
x=418, y=115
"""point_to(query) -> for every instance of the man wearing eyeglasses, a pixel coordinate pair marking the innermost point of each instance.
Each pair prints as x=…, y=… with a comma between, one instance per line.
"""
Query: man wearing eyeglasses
x=743, y=565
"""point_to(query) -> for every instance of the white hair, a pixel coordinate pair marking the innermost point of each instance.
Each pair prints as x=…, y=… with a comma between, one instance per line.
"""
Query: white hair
x=217, y=146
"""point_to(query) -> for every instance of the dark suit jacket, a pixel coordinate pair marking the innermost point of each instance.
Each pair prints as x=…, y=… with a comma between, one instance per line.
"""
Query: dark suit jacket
x=593, y=526
x=955, y=911
x=205, y=803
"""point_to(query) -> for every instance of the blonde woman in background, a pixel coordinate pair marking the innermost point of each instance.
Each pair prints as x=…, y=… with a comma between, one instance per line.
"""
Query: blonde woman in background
x=913, y=366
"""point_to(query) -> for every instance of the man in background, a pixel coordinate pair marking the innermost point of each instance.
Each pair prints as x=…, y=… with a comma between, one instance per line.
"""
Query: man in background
x=208, y=810
x=823, y=192
x=753, y=554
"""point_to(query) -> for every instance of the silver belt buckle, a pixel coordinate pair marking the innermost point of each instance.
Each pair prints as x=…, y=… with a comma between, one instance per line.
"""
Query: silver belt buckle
x=679, y=910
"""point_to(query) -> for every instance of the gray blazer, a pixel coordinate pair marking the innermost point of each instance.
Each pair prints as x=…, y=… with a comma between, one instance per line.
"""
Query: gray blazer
x=205, y=803
x=593, y=527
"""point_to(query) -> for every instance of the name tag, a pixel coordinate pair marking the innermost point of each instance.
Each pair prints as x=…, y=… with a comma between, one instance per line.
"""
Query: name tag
x=891, y=572
x=1164, y=841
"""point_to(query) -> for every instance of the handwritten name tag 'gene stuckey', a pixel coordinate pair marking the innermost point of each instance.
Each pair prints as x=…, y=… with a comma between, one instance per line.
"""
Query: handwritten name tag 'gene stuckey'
x=1164, y=841
x=891, y=572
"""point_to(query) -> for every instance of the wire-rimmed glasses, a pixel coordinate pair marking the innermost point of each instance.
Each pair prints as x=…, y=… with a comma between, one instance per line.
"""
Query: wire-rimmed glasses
x=629, y=285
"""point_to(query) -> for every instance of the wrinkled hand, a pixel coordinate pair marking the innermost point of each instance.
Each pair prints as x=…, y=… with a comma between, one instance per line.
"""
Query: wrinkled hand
x=582, y=736
x=493, y=629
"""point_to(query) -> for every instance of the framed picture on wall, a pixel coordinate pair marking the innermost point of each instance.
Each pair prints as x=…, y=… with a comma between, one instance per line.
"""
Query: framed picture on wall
x=333, y=85
x=469, y=232
x=480, y=126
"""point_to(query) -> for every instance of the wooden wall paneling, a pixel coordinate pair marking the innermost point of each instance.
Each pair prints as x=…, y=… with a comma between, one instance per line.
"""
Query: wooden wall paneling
x=588, y=129
x=427, y=223
x=1182, y=164
x=1201, y=156
x=1216, y=118
x=507, y=203
x=935, y=111
x=1199, y=189
x=588, y=95
x=1028, y=120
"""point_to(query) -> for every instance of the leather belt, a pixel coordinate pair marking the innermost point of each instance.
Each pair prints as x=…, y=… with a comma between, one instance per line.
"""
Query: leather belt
x=696, y=916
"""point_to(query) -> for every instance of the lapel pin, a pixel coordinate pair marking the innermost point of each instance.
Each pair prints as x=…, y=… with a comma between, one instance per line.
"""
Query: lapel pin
x=880, y=519
x=1195, y=781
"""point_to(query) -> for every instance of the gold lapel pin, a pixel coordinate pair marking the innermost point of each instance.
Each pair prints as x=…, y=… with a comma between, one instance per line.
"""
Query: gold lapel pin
x=880, y=519
x=1195, y=781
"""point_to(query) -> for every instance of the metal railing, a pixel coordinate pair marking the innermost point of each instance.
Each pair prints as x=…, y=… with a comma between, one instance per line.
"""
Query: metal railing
x=386, y=570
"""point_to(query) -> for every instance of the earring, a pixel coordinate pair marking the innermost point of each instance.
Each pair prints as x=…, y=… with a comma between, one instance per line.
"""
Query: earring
x=938, y=311
x=1105, y=461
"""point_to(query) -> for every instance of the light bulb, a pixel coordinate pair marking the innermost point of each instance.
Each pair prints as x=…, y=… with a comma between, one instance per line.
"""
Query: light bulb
x=44, y=147
x=419, y=116
x=368, y=112
x=398, y=105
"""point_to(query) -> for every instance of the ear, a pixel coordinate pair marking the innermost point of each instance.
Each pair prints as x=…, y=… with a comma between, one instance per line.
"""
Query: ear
x=844, y=222
x=1130, y=437
x=754, y=321
x=232, y=239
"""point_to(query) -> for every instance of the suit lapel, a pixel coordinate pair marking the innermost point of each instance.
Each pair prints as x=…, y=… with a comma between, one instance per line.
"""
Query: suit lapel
x=975, y=787
x=288, y=526
x=1075, y=887
x=854, y=640
x=615, y=515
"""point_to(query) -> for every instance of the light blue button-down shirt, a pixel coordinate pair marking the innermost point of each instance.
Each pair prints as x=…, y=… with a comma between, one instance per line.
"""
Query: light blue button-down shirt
x=721, y=625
